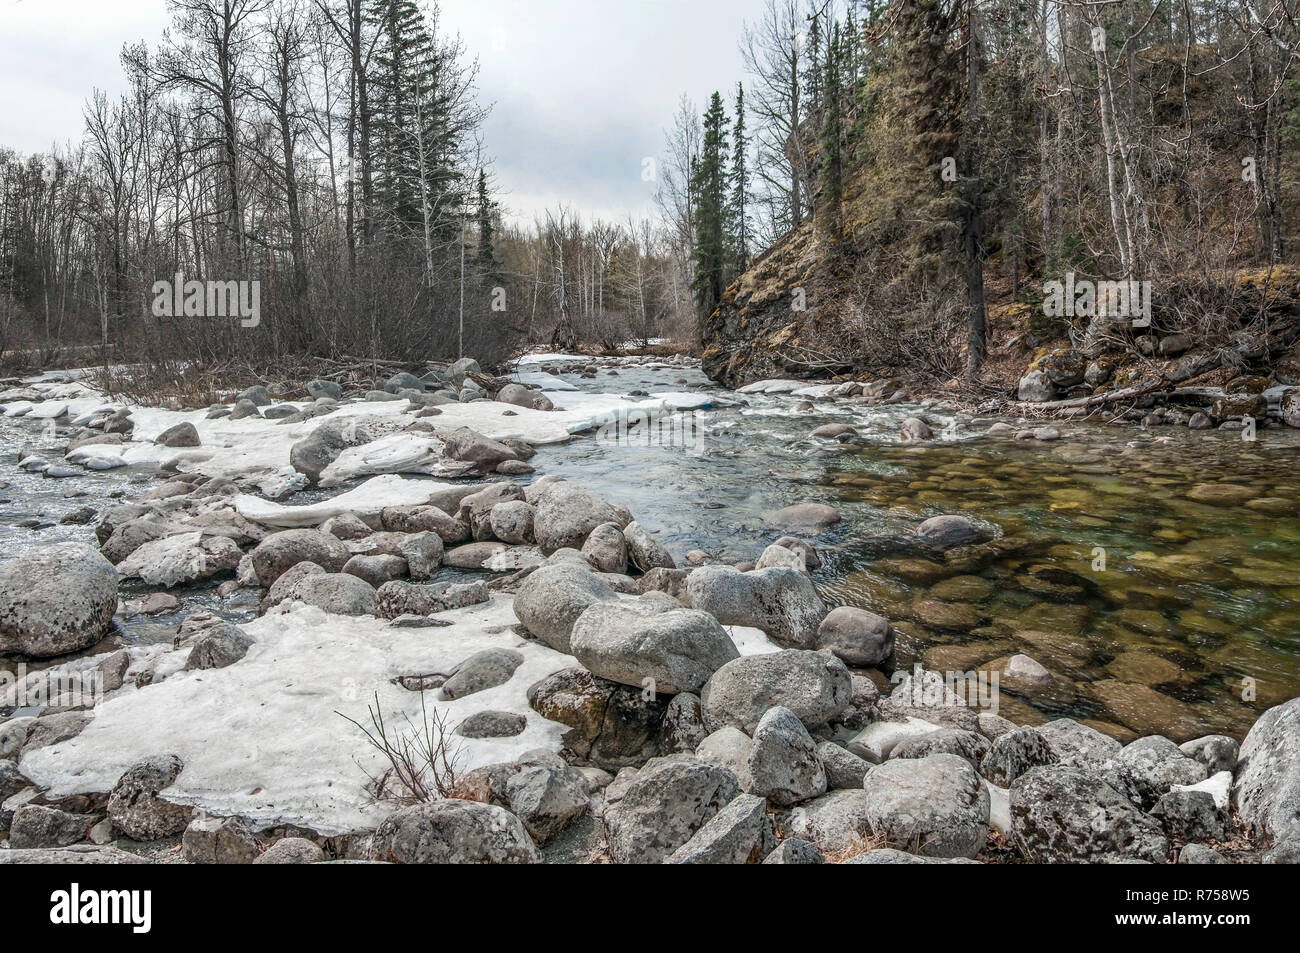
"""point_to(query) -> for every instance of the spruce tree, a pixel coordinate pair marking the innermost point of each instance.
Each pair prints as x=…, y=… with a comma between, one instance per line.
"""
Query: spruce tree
x=831, y=177
x=712, y=234
x=740, y=184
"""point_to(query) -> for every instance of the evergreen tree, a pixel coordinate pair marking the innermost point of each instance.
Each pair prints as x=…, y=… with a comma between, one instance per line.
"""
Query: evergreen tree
x=484, y=212
x=740, y=184
x=831, y=172
x=712, y=235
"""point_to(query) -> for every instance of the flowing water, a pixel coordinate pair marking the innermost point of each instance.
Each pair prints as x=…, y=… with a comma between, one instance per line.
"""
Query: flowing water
x=1158, y=605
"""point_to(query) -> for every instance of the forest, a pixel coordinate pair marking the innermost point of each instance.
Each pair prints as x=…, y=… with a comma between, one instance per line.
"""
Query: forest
x=930, y=164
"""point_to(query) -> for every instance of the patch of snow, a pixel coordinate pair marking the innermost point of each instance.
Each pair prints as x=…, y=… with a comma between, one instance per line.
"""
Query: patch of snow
x=368, y=499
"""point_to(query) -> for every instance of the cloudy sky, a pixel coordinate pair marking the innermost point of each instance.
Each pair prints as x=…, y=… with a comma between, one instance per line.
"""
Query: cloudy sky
x=582, y=89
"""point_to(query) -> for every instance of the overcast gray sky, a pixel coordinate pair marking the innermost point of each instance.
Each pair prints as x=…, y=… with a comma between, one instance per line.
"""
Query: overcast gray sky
x=583, y=89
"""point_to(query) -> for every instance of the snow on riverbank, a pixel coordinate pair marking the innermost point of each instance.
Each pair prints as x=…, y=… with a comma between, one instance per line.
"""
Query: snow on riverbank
x=257, y=449
x=261, y=738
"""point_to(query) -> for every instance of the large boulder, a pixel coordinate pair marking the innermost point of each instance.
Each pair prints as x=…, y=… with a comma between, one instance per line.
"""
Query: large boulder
x=552, y=598
x=566, y=514
x=181, y=435
x=611, y=726
x=1266, y=787
x=1078, y=745
x=284, y=550
x=546, y=795
x=1148, y=767
x=671, y=799
x=453, y=831
x=1036, y=387
x=470, y=446
x=815, y=687
x=646, y=644
x=398, y=598
x=57, y=600
x=838, y=821
x=338, y=593
x=1062, y=814
x=780, y=601
x=606, y=549
x=935, y=806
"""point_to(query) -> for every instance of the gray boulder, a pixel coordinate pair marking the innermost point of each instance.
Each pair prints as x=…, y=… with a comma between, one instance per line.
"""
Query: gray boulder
x=815, y=687
x=792, y=850
x=970, y=746
x=1216, y=752
x=783, y=765
x=1077, y=745
x=1063, y=814
x=934, y=807
x=552, y=598
x=319, y=388
x=35, y=826
x=950, y=530
x=1014, y=753
x=453, y=831
x=482, y=670
x=181, y=435
x=740, y=833
x=335, y=592
x=1266, y=786
x=859, y=637
x=606, y=549
x=423, y=553
x=219, y=840
x=844, y=769
x=834, y=822
x=512, y=521
x=57, y=600
x=780, y=601
x=609, y=725
x=1150, y=766
x=399, y=598
x=677, y=650
x=668, y=802
x=135, y=808
x=546, y=796
x=644, y=551
x=292, y=850
x=285, y=549
x=376, y=569
x=566, y=514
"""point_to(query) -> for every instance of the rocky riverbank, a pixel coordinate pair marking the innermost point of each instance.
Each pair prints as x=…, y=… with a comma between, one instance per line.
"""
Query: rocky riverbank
x=601, y=699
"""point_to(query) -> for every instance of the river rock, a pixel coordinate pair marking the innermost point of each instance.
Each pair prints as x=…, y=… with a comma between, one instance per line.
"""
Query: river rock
x=740, y=833
x=36, y=826
x=677, y=650
x=683, y=724
x=285, y=549
x=935, y=806
x=215, y=644
x=546, y=796
x=1150, y=766
x=334, y=592
x=552, y=598
x=1078, y=746
x=1036, y=387
x=1216, y=752
x=453, y=831
x=805, y=518
x=815, y=687
x=783, y=765
x=292, y=850
x=793, y=850
x=610, y=725
x=183, y=558
x=376, y=570
x=1062, y=814
x=399, y=598
x=1014, y=753
x=844, y=769
x=645, y=552
x=423, y=553
x=57, y=600
x=1266, y=787
x=835, y=822
x=606, y=549
x=859, y=637
x=135, y=808
x=512, y=521
x=671, y=799
x=181, y=435
x=782, y=602
x=970, y=746
x=566, y=514
x=422, y=519
x=482, y=670
x=951, y=530
x=492, y=724
x=1190, y=815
